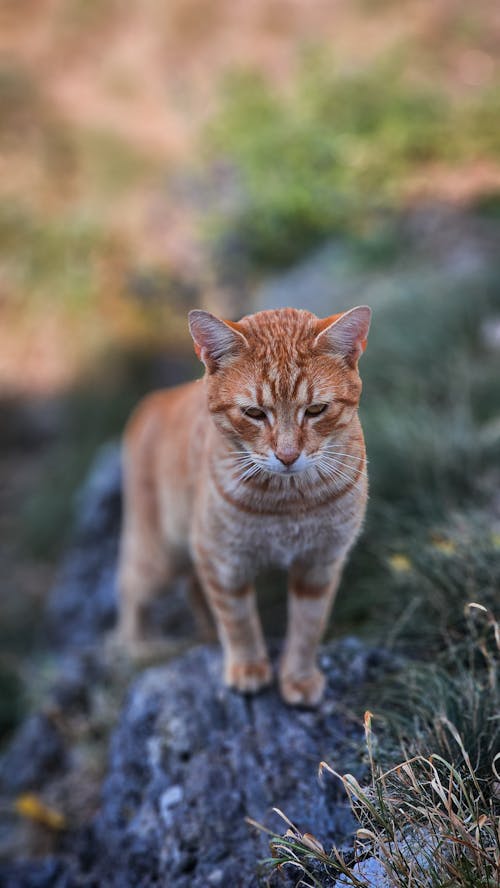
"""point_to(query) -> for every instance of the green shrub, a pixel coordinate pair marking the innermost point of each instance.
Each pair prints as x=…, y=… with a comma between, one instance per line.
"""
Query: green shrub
x=328, y=155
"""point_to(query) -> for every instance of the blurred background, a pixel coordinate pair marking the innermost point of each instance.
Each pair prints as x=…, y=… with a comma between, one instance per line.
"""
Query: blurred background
x=238, y=156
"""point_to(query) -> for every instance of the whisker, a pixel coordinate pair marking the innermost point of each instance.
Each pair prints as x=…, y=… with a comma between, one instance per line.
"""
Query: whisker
x=250, y=472
x=333, y=471
x=246, y=455
x=348, y=465
x=334, y=456
x=338, y=473
x=336, y=452
x=339, y=462
x=342, y=462
x=332, y=475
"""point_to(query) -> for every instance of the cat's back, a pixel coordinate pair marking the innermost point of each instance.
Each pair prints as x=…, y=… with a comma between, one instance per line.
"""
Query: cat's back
x=161, y=456
x=162, y=426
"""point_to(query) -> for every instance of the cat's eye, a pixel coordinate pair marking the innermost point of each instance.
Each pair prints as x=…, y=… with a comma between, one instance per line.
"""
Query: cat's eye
x=315, y=409
x=254, y=413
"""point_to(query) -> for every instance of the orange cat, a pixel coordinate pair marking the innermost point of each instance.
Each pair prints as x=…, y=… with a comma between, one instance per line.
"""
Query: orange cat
x=261, y=462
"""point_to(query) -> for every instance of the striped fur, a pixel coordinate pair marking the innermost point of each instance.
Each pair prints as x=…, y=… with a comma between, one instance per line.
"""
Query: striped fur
x=262, y=462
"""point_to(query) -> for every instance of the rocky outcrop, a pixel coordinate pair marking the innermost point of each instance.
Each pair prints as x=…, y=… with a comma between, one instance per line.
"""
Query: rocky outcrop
x=190, y=761
x=186, y=761
x=82, y=605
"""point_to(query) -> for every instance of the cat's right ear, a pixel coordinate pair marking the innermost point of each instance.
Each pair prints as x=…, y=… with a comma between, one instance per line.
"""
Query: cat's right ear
x=214, y=340
x=346, y=333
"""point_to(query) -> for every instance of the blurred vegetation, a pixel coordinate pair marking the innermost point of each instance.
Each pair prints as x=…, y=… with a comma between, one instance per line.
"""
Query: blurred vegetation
x=336, y=150
x=51, y=261
x=430, y=414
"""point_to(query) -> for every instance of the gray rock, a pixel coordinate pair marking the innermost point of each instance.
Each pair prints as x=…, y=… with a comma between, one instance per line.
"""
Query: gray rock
x=417, y=847
x=370, y=873
x=36, y=753
x=190, y=760
x=82, y=605
x=46, y=873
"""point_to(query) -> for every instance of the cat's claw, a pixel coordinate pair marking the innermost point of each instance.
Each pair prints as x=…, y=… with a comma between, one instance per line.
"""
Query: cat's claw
x=302, y=691
x=248, y=677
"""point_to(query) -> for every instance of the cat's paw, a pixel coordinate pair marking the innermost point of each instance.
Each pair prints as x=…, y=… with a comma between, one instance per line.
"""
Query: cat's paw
x=248, y=677
x=302, y=690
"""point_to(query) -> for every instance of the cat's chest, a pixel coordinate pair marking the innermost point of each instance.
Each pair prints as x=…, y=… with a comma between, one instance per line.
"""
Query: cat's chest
x=280, y=540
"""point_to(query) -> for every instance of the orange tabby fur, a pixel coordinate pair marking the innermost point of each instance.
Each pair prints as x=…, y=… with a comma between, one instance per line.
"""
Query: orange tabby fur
x=208, y=484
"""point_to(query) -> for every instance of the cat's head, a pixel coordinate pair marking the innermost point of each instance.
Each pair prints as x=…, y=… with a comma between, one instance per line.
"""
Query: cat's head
x=282, y=384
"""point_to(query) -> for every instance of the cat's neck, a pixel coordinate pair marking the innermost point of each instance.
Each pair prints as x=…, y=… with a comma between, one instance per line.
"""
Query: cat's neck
x=271, y=493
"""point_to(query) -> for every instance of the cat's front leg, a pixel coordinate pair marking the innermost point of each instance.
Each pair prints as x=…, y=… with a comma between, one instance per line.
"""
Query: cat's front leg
x=311, y=593
x=246, y=664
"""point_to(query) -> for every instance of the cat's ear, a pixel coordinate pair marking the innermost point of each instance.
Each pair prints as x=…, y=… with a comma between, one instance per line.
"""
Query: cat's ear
x=345, y=334
x=214, y=339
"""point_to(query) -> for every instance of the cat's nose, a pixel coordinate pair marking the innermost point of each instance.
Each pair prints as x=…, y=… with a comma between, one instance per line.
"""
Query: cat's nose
x=287, y=455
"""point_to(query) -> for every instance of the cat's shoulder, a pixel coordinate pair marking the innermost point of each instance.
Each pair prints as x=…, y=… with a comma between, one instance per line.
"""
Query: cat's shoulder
x=157, y=407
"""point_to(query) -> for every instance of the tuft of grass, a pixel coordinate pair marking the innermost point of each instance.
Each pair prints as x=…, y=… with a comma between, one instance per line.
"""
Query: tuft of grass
x=432, y=819
x=459, y=687
x=334, y=151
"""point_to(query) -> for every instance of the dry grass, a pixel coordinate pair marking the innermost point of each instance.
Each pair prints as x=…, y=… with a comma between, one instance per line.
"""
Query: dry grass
x=432, y=819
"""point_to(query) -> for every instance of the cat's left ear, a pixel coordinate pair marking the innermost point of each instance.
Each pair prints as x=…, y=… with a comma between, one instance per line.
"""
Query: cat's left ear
x=214, y=340
x=346, y=334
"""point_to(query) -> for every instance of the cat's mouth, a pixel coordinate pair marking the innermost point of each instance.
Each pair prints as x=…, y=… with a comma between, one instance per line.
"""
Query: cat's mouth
x=250, y=466
x=289, y=470
x=277, y=467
